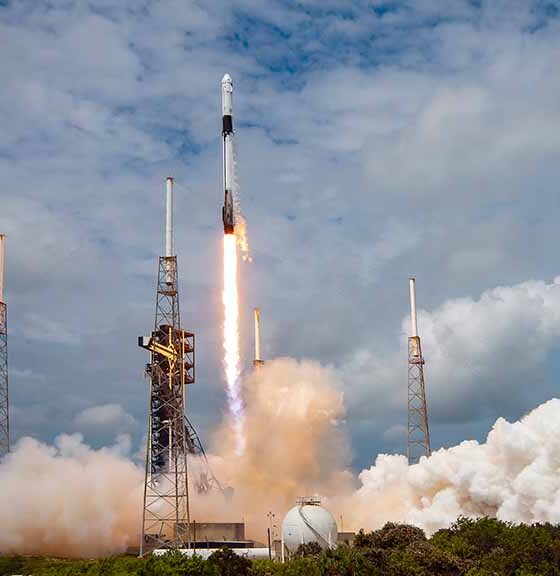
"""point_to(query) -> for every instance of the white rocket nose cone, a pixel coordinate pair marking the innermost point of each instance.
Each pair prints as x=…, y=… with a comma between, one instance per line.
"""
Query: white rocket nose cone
x=227, y=79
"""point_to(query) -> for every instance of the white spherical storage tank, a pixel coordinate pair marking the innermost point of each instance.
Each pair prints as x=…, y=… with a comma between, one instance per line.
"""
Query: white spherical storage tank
x=308, y=522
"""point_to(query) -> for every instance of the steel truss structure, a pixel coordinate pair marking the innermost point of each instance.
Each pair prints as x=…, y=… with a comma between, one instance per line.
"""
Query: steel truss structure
x=171, y=368
x=171, y=436
x=418, y=429
x=4, y=416
x=204, y=481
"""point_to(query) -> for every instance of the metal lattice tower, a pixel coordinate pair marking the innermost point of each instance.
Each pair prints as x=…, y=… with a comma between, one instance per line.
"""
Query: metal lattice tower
x=171, y=436
x=418, y=428
x=166, y=511
x=4, y=416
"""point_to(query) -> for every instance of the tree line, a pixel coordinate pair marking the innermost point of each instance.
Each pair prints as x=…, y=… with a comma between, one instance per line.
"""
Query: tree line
x=483, y=547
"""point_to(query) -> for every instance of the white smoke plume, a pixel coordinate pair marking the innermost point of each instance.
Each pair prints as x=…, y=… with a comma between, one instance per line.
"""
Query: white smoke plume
x=71, y=500
x=68, y=499
x=514, y=476
x=295, y=444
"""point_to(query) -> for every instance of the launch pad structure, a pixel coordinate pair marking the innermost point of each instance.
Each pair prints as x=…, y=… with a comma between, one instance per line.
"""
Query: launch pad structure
x=4, y=414
x=418, y=428
x=171, y=436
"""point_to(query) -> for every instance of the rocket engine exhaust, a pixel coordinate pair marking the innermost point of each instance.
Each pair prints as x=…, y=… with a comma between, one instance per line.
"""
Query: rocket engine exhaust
x=232, y=360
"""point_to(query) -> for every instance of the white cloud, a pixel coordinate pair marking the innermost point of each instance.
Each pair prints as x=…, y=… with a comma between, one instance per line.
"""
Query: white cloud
x=107, y=419
x=372, y=146
x=483, y=356
x=396, y=433
x=38, y=328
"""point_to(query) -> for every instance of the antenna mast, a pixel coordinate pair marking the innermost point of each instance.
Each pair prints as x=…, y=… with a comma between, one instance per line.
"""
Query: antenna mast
x=418, y=428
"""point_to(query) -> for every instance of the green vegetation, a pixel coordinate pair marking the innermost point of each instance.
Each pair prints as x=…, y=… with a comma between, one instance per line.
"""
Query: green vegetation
x=484, y=547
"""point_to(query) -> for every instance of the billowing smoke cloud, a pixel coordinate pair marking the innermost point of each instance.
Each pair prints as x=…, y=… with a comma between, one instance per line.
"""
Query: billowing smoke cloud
x=295, y=444
x=514, y=476
x=71, y=500
x=68, y=499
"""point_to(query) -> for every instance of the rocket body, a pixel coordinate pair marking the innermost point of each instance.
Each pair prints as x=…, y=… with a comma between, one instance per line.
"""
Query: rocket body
x=228, y=217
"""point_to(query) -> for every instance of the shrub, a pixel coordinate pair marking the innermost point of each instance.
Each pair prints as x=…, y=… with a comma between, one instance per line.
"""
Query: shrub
x=309, y=549
x=228, y=563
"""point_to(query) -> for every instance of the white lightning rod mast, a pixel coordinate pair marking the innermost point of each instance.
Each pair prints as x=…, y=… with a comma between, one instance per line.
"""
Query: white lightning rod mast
x=257, y=334
x=169, y=218
x=413, y=318
x=257, y=361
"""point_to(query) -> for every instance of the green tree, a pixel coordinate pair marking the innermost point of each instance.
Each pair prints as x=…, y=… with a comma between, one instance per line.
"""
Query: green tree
x=490, y=546
x=346, y=561
x=264, y=568
x=11, y=565
x=309, y=549
x=300, y=567
x=176, y=564
x=228, y=563
x=391, y=536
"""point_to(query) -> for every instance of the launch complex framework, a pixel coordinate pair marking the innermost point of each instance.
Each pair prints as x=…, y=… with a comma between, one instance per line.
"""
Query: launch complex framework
x=4, y=416
x=171, y=436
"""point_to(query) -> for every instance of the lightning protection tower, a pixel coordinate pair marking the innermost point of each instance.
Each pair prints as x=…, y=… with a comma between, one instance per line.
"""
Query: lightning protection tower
x=4, y=418
x=257, y=361
x=166, y=514
x=418, y=428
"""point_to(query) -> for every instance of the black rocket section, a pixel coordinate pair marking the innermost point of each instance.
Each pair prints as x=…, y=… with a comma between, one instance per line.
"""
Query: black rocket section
x=227, y=125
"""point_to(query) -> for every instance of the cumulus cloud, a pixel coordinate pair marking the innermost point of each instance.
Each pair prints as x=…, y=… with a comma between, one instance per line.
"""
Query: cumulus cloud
x=480, y=355
x=361, y=130
x=104, y=419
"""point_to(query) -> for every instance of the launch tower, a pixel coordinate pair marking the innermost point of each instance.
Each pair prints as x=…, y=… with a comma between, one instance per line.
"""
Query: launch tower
x=418, y=429
x=4, y=418
x=171, y=368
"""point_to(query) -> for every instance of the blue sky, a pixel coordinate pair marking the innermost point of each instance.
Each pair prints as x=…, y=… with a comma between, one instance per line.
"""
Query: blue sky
x=376, y=140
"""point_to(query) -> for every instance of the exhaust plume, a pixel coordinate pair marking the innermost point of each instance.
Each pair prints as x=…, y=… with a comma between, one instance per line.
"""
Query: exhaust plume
x=68, y=499
x=232, y=362
x=514, y=476
x=295, y=445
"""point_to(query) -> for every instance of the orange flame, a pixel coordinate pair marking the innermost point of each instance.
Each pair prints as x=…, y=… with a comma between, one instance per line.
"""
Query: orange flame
x=241, y=235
